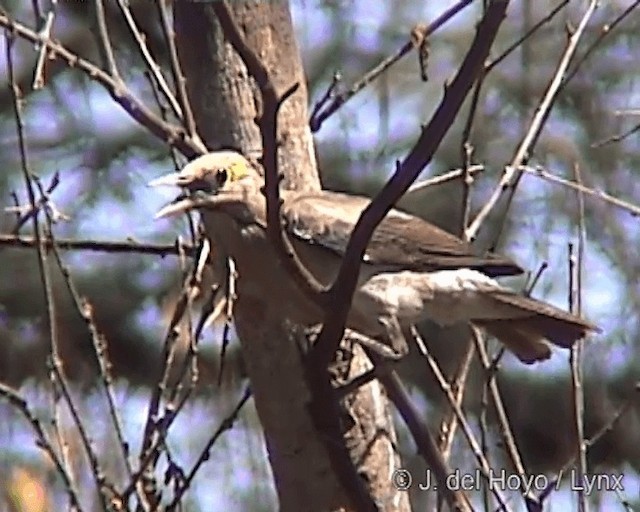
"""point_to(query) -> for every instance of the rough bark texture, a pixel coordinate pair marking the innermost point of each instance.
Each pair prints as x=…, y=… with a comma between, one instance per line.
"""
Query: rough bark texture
x=224, y=102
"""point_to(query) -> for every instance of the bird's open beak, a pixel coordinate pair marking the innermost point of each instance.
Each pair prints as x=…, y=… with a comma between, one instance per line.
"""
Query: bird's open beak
x=176, y=208
x=198, y=200
x=179, y=205
x=174, y=179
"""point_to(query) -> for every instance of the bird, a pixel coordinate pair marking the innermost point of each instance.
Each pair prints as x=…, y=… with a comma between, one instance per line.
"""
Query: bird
x=411, y=271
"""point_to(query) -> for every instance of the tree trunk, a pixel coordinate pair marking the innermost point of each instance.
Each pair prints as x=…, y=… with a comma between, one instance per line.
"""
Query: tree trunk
x=224, y=101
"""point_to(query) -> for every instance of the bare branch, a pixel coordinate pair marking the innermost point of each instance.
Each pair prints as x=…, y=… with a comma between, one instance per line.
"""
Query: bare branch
x=170, y=133
x=148, y=58
x=575, y=359
x=176, y=70
x=526, y=36
x=38, y=74
x=483, y=463
x=579, y=187
x=226, y=424
x=344, y=286
x=124, y=247
x=511, y=175
x=418, y=35
x=43, y=442
x=427, y=446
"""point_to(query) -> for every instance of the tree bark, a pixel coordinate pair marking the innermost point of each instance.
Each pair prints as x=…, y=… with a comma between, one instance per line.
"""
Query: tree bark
x=225, y=103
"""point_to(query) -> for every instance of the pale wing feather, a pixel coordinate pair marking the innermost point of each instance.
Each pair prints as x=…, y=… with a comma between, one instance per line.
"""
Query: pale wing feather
x=401, y=241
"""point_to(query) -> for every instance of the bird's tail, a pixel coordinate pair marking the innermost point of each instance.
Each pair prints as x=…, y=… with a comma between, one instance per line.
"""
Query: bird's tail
x=531, y=324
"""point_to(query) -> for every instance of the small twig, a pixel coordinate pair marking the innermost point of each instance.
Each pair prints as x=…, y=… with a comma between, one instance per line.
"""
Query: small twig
x=445, y=178
x=97, y=473
x=42, y=441
x=427, y=446
x=511, y=175
x=43, y=266
x=38, y=74
x=231, y=297
x=226, y=424
x=592, y=441
x=149, y=60
x=503, y=419
x=449, y=424
x=607, y=29
x=579, y=187
x=176, y=70
x=418, y=35
x=536, y=278
x=58, y=376
x=483, y=463
x=616, y=138
x=575, y=306
x=526, y=36
x=329, y=94
x=100, y=350
x=106, y=48
x=170, y=133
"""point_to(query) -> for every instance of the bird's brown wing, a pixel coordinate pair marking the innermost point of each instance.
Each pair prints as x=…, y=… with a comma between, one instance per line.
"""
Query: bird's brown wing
x=401, y=241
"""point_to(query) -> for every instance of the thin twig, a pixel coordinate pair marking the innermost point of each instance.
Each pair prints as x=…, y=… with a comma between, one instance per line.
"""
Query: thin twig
x=427, y=446
x=592, y=441
x=38, y=74
x=106, y=48
x=100, y=350
x=58, y=376
x=449, y=424
x=526, y=36
x=511, y=174
x=575, y=306
x=226, y=424
x=42, y=441
x=531, y=500
x=170, y=133
x=472, y=170
x=579, y=187
x=43, y=266
x=483, y=463
x=617, y=138
x=148, y=58
x=418, y=35
x=607, y=29
x=176, y=70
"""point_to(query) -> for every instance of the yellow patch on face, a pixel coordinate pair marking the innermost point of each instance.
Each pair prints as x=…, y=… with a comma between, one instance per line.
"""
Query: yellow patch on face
x=222, y=168
x=237, y=170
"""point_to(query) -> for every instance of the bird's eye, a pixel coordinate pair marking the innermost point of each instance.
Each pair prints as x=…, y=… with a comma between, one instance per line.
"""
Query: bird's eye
x=221, y=177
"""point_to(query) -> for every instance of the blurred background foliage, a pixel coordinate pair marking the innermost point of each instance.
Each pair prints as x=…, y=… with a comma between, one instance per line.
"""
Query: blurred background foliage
x=105, y=159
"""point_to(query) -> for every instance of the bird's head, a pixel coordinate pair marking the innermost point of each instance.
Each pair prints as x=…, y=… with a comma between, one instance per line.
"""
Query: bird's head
x=213, y=179
x=211, y=173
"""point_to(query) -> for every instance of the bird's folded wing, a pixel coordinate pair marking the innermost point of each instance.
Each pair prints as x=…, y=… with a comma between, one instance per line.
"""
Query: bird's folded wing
x=401, y=241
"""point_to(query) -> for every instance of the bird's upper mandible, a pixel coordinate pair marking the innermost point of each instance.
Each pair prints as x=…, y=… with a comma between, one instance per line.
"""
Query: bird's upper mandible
x=211, y=173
